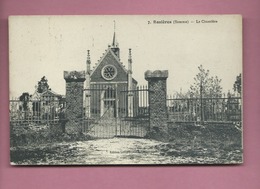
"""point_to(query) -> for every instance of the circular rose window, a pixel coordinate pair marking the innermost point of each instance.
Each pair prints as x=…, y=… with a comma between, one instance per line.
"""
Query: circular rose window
x=109, y=72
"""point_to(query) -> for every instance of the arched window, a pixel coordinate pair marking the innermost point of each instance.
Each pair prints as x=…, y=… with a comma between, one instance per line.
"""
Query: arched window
x=110, y=94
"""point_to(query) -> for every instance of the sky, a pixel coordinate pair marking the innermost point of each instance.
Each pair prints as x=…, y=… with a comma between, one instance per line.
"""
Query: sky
x=49, y=45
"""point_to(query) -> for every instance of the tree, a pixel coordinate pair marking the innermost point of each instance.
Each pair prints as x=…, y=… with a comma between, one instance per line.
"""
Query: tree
x=238, y=84
x=205, y=85
x=25, y=97
x=43, y=85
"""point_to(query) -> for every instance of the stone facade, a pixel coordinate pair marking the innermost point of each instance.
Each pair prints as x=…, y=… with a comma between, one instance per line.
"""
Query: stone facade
x=120, y=81
x=74, y=98
x=157, y=98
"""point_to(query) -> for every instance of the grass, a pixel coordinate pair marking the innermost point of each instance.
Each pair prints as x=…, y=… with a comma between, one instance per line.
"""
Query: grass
x=220, y=142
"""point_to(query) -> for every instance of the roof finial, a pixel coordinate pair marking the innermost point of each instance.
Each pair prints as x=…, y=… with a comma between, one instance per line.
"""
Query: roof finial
x=130, y=54
x=130, y=61
x=114, y=44
x=88, y=63
x=88, y=57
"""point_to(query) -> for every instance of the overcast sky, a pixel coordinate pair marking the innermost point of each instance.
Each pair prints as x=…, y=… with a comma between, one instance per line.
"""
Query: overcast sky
x=48, y=45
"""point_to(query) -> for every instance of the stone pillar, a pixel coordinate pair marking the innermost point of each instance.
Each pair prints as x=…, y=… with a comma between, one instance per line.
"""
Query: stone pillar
x=130, y=97
x=74, y=99
x=157, y=98
x=87, y=87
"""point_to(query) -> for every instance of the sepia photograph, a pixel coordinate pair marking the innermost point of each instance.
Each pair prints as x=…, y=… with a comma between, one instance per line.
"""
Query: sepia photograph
x=125, y=90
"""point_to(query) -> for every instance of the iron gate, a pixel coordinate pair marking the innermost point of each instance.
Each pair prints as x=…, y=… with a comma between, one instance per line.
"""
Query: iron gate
x=112, y=110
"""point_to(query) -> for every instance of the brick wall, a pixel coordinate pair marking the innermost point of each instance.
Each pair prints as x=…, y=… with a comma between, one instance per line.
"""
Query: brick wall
x=74, y=99
x=157, y=100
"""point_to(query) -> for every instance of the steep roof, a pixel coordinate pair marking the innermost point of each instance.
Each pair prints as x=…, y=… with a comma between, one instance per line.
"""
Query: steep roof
x=109, y=58
x=50, y=93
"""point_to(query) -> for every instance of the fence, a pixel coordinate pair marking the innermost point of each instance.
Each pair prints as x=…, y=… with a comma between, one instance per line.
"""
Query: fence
x=205, y=109
x=48, y=111
x=45, y=111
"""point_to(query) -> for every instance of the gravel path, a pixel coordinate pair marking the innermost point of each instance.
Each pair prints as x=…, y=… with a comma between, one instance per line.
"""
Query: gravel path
x=111, y=151
x=116, y=151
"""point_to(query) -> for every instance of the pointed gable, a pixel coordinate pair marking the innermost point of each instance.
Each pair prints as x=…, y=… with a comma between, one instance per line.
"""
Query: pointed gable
x=109, y=58
x=36, y=96
x=50, y=93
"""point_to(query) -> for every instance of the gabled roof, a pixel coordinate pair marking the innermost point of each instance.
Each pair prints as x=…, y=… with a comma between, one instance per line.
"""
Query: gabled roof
x=36, y=96
x=50, y=93
x=102, y=58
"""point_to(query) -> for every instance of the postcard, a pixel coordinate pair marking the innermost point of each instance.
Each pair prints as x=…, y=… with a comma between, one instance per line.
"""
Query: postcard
x=125, y=90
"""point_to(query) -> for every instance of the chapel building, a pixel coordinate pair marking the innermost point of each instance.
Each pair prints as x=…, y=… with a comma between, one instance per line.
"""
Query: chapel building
x=110, y=87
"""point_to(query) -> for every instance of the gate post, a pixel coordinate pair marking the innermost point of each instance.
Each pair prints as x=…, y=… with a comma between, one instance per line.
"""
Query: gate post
x=157, y=102
x=74, y=99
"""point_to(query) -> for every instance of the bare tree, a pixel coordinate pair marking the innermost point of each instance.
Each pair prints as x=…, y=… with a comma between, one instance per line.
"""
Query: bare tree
x=238, y=84
x=205, y=85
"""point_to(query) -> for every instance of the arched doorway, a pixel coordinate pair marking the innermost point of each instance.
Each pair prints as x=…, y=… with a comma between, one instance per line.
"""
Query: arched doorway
x=108, y=102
